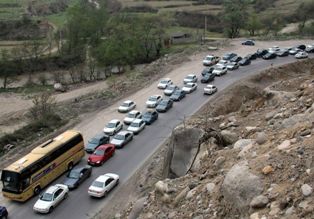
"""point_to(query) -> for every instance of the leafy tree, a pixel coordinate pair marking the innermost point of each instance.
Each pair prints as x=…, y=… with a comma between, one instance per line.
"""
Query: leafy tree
x=304, y=13
x=253, y=24
x=5, y=67
x=234, y=16
x=272, y=23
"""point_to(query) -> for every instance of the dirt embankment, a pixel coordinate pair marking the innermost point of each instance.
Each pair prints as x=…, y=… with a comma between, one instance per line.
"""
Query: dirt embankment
x=265, y=167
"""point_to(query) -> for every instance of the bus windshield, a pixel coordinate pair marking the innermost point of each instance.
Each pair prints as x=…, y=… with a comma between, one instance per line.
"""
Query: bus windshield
x=10, y=181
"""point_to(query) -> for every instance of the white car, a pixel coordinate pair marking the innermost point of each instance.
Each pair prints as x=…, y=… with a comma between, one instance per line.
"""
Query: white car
x=131, y=116
x=153, y=101
x=301, y=55
x=273, y=49
x=170, y=89
x=210, y=89
x=126, y=106
x=210, y=60
x=136, y=126
x=164, y=83
x=113, y=127
x=232, y=66
x=223, y=62
x=121, y=139
x=103, y=184
x=189, y=87
x=220, y=70
x=51, y=198
x=190, y=79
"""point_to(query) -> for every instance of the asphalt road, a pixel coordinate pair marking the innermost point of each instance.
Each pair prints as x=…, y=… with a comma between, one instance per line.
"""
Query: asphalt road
x=127, y=160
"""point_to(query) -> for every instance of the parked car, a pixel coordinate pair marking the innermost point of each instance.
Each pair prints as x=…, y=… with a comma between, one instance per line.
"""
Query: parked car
x=282, y=53
x=136, y=126
x=177, y=95
x=3, y=212
x=235, y=59
x=101, y=155
x=301, y=55
x=245, y=61
x=77, y=176
x=190, y=79
x=309, y=49
x=208, y=78
x=232, y=66
x=207, y=70
x=96, y=141
x=273, y=49
x=131, y=116
x=248, y=43
x=103, y=185
x=153, y=101
x=189, y=87
x=302, y=47
x=126, y=106
x=294, y=51
x=229, y=56
x=252, y=56
x=164, y=105
x=269, y=56
x=210, y=60
x=220, y=70
x=113, y=127
x=261, y=52
x=210, y=89
x=223, y=62
x=121, y=139
x=164, y=83
x=170, y=89
x=51, y=198
x=150, y=116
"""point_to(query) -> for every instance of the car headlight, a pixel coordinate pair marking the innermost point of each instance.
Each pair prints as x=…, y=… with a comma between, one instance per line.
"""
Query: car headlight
x=98, y=162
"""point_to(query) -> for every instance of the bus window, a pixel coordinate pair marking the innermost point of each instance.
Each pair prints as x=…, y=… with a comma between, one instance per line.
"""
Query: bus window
x=10, y=181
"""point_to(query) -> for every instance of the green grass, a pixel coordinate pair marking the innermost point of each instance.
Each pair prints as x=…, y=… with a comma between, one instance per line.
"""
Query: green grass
x=57, y=19
x=29, y=89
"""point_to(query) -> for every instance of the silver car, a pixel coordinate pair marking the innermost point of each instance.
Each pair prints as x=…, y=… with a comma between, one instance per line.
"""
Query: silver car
x=121, y=139
x=136, y=126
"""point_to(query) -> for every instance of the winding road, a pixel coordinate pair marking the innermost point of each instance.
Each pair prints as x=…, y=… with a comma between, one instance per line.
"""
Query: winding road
x=127, y=160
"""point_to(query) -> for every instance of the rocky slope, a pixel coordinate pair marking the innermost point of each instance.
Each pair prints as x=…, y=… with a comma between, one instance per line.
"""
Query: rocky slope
x=247, y=154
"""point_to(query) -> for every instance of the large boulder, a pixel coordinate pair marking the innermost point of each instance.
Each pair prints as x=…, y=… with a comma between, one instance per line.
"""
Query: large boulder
x=240, y=186
x=185, y=147
x=242, y=143
x=229, y=137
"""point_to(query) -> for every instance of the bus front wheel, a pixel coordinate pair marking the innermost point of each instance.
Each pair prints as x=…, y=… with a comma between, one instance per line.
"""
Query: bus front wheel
x=70, y=166
x=37, y=190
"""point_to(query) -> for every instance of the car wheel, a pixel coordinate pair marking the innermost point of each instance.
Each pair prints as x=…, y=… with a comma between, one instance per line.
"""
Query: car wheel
x=37, y=190
x=65, y=196
x=50, y=209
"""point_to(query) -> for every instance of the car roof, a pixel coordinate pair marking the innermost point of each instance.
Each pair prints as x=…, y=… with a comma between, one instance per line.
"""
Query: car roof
x=99, y=135
x=156, y=95
x=102, y=178
x=190, y=83
x=128, y=101
x=52, y=189
x=165, y=79
x=210, y=85
x=123, y=132
x=114, y=121
x=104, y=146
x=134, y=112
x=192, y=75
x=137, y=120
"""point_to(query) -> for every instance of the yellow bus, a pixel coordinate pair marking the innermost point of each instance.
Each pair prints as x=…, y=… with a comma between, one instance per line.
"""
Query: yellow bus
x=30, y=174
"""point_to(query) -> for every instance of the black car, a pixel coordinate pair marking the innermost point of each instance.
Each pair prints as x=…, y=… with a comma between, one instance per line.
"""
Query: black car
x=302, y=47
x=236, y=59
x=207, y=70
x=252, y=56
x=3, y=212
x=150, y=116
x=248, y=43
x=261, y=52
x=282, y=53
x=76, y=176
x=177, y=95
x=245, y=61
x=164, y=106
x=270, y=55
x=96, y=141
x=208, y=78
x=229, y=56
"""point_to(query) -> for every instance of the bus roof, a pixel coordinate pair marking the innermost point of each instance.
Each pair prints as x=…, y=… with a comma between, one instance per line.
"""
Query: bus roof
x=41, y=151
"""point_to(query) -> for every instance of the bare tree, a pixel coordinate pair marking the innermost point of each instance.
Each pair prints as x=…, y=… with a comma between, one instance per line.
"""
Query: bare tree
x=44, y=105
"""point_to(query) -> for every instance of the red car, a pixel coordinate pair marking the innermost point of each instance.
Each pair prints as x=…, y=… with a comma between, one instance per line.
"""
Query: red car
x=101, y=154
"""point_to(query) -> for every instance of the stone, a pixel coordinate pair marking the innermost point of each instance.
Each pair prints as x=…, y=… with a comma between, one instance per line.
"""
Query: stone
x=240, y=186
x=284, y=145
x=250, y=128
x=254, y=216
x=210, y=187
x=261, y=138
x=241, y=143
x=305, y=132
x=270, y=115
x=290, y=211
x=219, y=161
x=232, y=119
x=267, y=170
x=274, y=209
x=304, y=204
x=229, y=137
x=190, y=194
x=181, y=195
x=117, y=216
x=161, y=187
x=137, y=208
x=259, y=201
x=198, y=217
x=306, y=189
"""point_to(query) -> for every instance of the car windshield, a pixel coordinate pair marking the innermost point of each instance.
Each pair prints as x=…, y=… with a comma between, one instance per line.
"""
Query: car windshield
x=172, y=87
x=98, y=184
x=46, y=197
x=131, y=115
x=164, y=81
x=178, y=92
x=94, y=141
x=74, y=174
x=125, y=104
x=99, y=152
x=189, y=85
x=219, y=68
x=119, y=137
x=135, y=124
x=209, y=58
x=152, y=98
x=189, y=77
x=147, y=115
x=111, y=125
x=163, y=103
